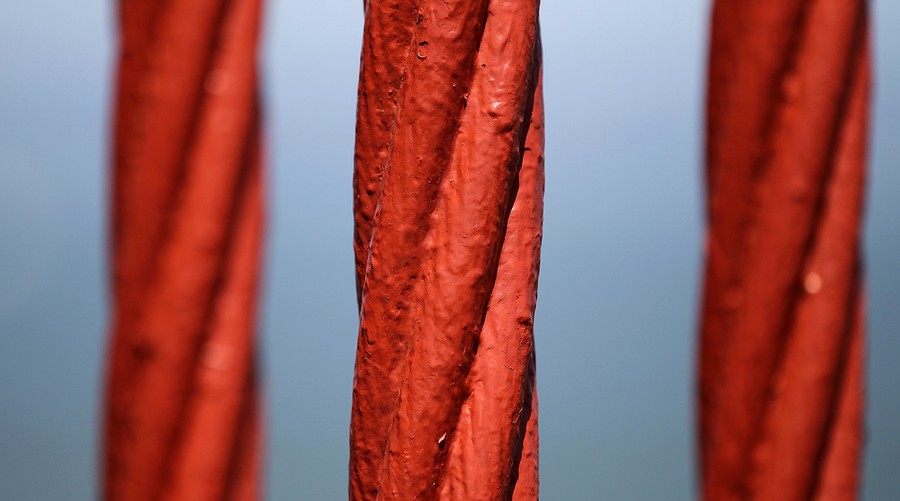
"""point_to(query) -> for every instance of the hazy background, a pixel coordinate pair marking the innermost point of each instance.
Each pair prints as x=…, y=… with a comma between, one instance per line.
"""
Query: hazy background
x=618, y=293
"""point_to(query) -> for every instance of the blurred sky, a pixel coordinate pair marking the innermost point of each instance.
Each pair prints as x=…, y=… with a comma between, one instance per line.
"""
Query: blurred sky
x=617, y=305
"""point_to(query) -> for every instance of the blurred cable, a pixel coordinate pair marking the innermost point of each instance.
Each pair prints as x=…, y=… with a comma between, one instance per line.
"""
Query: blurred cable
x=782, y=327
x=182, y=407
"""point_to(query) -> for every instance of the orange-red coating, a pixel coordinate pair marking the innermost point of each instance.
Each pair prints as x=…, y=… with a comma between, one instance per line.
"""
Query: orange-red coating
x=182, y=405
x=782, y=328
x=448, y=188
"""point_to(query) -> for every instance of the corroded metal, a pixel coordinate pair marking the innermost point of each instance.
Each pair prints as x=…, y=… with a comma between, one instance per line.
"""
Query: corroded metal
x=182, y=417
x=448, y=192
x=782, y=335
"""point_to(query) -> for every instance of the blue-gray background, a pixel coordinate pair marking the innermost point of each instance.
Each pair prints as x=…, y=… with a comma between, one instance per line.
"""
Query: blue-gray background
x=619, y=282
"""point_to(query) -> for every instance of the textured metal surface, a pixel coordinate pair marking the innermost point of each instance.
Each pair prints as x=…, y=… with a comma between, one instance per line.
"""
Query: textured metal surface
x=448, y=191
x=782, y=334
x=182, y=417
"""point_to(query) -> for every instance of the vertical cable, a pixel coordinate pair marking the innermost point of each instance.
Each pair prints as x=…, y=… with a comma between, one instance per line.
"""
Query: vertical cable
x=182, y=404
x=781, y=341
x=448, y=187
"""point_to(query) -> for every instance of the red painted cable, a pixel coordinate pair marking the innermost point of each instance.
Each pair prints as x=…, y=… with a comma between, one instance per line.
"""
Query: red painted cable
x=781, y=342
x=448, y=191
x=182, y=414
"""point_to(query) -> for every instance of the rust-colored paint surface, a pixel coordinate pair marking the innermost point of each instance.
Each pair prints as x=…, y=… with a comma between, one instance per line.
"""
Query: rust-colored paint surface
x=448, y=204
x=182, y=417
x=782, y=335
